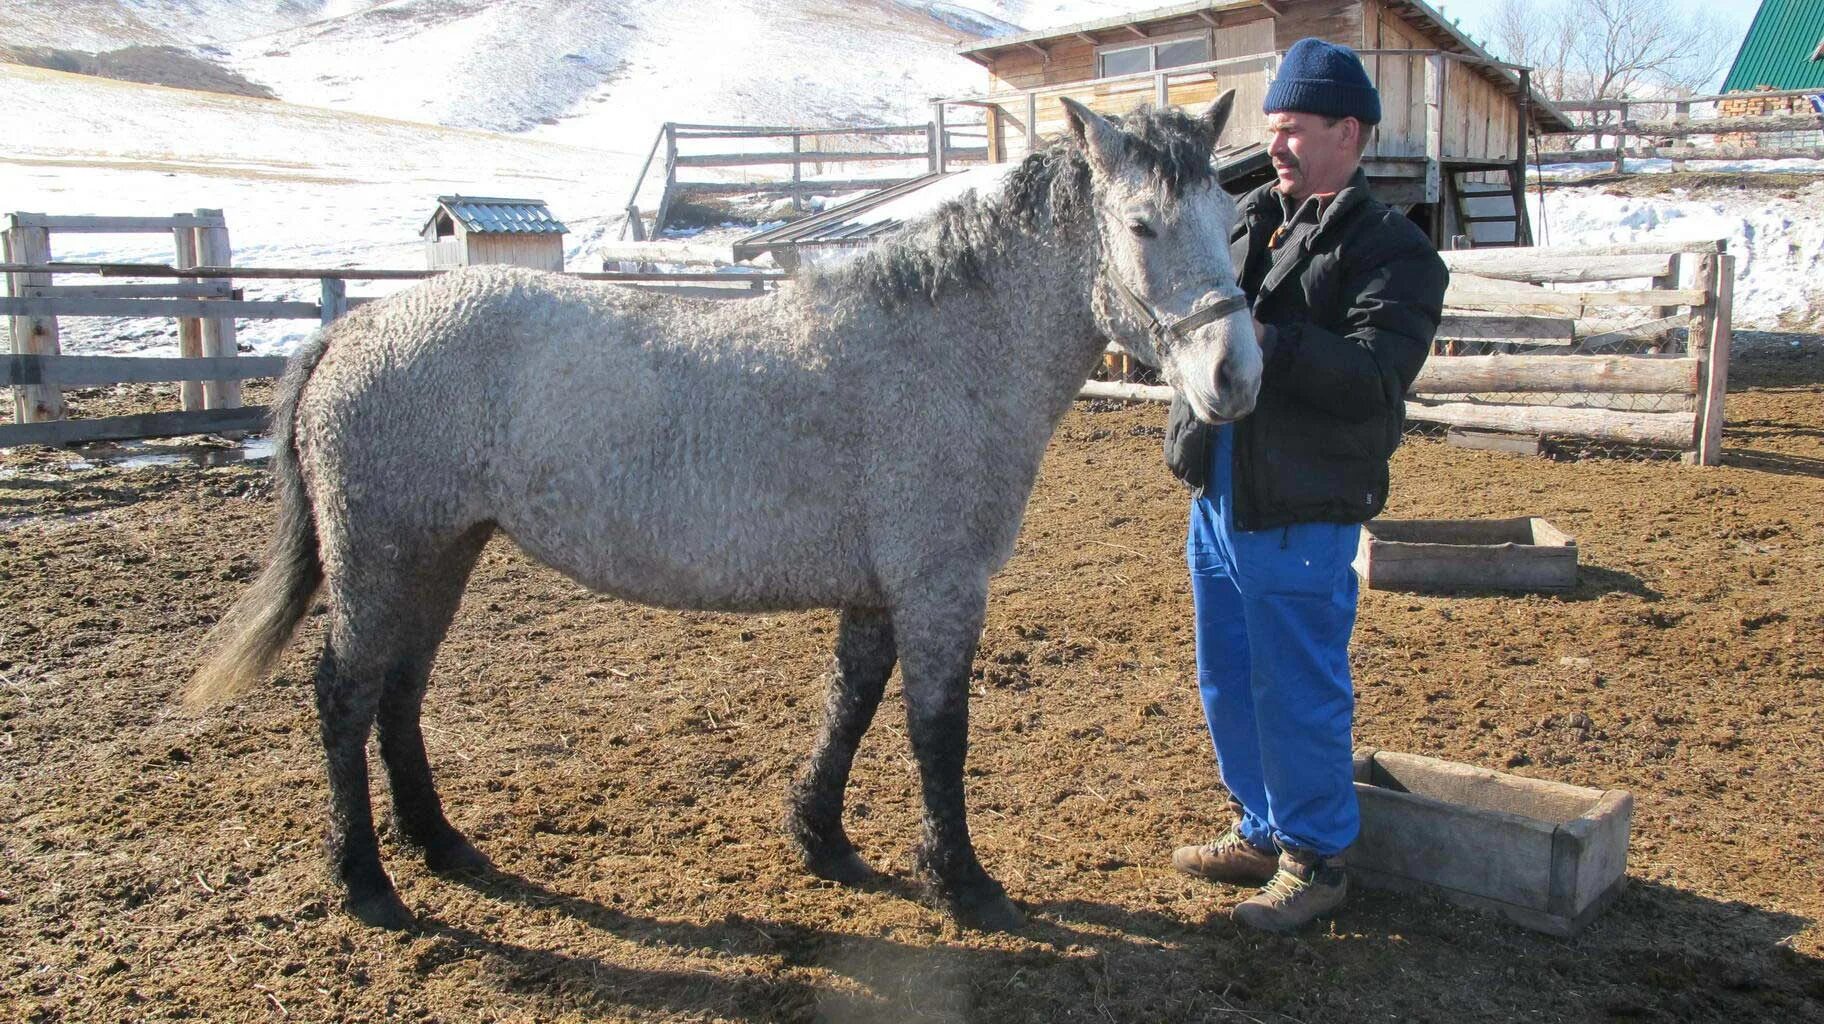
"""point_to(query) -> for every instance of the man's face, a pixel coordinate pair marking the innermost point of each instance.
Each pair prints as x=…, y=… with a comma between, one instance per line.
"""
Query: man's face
x=1311, y=156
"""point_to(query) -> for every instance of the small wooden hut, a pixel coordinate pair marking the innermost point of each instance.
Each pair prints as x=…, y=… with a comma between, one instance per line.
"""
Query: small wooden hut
x=468, y=230
x=1450, y=148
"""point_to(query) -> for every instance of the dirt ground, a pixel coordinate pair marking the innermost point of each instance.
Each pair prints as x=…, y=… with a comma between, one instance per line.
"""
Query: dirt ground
x=624, y=768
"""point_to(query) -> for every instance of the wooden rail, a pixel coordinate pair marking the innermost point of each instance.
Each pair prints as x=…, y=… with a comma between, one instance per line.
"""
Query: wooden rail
x=1682, y=125
x=671, y=134
x=1465, y=391
x=207, y=370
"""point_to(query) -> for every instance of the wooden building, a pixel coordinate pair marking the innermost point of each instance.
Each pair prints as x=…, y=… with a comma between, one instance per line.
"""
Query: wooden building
x=1450, y=148
x=468, y=230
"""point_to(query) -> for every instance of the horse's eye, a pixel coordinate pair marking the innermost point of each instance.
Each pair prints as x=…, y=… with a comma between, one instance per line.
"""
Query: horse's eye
x=1140, y=228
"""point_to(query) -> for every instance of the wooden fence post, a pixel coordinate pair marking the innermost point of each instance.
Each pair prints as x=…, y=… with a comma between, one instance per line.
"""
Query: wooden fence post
x=797, y=172
x=213, y=250
x=1711, y=323
x=939, y=133
x=1032, y=121
x=189, y=328
x=32, y=335
x=1621, y=140
x=1434, y=140
x=334, y=298
x=1681, y=114
x=1667, y=282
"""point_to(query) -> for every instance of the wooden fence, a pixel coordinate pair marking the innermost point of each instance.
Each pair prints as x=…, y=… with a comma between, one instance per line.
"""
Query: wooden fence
x=1554, y=364
x=38, y=372
x=749, y=147
x=1617, y=136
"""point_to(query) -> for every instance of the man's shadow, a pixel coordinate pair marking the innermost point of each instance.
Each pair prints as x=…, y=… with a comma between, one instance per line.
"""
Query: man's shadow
x=1657, y=952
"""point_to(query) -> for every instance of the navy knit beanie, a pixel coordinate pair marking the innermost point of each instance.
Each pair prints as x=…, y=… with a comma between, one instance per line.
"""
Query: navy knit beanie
x=1323, y=78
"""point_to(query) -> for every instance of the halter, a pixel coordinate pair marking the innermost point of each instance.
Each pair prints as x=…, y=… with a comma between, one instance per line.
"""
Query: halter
x=1166, y=331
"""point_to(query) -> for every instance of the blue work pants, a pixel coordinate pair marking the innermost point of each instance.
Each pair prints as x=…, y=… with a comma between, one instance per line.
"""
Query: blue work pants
x=1275, y=609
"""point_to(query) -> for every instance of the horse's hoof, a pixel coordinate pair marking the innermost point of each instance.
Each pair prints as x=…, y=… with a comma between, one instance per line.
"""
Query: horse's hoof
x=458, y=857
x=988, y=911
x=380, y=910
x=845, y=868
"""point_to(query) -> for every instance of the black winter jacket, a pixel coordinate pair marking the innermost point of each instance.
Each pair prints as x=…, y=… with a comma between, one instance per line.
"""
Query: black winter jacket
x=1351, y=310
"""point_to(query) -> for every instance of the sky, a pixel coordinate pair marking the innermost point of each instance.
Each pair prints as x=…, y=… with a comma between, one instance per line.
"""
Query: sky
x=1477, y=18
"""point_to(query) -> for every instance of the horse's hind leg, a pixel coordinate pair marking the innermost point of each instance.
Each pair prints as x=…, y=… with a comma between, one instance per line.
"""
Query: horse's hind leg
x=864, y=660
x=416, y=808
x=937, y=632
x=378, y=642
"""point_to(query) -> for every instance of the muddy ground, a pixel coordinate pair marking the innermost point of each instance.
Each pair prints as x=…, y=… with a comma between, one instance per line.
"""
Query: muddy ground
x=624, y=768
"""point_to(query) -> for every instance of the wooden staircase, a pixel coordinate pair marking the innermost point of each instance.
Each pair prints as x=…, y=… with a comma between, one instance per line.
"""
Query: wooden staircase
x=1487, y=213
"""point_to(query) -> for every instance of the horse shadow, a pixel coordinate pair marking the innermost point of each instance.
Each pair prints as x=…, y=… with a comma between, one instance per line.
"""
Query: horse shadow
x=1657, y=953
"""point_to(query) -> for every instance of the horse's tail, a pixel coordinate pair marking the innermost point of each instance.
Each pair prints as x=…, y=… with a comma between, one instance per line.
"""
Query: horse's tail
x=248, y=639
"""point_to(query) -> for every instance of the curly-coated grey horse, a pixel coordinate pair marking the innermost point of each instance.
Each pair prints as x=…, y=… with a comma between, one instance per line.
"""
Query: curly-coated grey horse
x=813, y=448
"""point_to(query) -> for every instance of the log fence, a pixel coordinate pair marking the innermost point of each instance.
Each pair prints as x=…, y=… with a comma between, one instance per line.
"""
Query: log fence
x=207, y=370
x=1617, y=137
x=1516, y=357
x=751, y=148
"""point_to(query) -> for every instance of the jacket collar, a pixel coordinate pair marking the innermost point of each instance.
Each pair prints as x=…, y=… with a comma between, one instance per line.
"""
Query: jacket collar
x=1352, y=195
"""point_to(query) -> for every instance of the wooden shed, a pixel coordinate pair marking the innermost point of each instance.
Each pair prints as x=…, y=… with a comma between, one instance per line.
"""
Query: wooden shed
x=468, y=230
x=1450, y=149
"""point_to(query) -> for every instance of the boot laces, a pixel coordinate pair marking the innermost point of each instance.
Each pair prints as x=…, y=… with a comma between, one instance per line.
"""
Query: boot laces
x=1285, y=886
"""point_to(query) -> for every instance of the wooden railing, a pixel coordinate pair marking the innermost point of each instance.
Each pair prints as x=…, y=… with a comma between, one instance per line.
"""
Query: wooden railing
x=1616, y=136
x=788, y=147
x=1563, y=343
x=209, y=295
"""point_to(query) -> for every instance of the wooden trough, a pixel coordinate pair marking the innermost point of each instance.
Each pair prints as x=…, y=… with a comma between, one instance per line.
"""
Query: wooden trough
x=1545, y=855
x=1492, y=554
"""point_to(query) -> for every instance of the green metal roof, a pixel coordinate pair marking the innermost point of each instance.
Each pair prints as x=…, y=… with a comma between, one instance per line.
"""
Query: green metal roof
x=1779, y=47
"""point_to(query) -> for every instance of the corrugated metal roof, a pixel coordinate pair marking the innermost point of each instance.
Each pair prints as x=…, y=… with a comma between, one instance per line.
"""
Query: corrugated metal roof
x=1779, y=50
x=486, y=215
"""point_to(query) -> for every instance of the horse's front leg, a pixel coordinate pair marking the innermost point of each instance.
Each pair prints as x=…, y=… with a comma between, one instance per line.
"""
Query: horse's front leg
x=864, y=660
x=937, y=634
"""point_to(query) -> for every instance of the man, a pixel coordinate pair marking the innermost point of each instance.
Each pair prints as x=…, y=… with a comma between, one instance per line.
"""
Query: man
x=1347, y=295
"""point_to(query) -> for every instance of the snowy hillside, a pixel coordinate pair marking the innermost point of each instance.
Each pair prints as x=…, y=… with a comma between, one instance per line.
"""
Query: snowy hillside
x=107, y=24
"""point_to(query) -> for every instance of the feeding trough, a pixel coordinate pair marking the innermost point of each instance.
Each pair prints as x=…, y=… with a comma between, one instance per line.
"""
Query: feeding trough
x=1500, y=554
x=1545, y=855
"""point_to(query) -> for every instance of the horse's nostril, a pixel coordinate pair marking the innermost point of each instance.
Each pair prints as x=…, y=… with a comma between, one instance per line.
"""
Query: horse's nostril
x=1225, y=380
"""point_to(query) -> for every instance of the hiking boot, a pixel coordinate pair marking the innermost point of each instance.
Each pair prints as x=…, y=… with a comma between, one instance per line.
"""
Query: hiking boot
x=1230, y=859
x=1305, y=887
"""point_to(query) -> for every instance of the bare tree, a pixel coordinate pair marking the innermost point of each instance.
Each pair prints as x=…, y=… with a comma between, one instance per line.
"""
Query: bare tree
x=1610, y=48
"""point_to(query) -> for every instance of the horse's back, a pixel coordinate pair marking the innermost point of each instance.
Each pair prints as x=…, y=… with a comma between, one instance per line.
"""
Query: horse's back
x=673, y=452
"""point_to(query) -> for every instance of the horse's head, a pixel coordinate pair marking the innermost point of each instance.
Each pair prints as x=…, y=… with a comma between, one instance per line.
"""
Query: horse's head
x=1165, y=289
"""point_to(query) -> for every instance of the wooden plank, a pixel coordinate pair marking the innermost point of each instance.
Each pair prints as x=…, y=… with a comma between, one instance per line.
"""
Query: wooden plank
x=1719, y=270
x=100, y=371
x=213, y=249
x=333, y=299
x=1475, y=292
x=806, y=157
x=202, y=290
x=1492, y=441
x=33, y=333
x=77, y=306
x=1588, y=156
x=950, y=155
x=1626, y=375
x=116, y=225
x=121, y=428
x=1536, y=330
x=190, y=329
x=1665, y=429
x=1531, y=265
x=1478, y=262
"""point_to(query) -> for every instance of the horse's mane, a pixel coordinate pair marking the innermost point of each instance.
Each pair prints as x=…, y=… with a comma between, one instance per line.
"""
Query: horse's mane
x=954, y=245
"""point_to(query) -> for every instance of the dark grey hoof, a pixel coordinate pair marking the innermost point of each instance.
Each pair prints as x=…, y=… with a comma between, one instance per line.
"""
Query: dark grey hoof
x=457, y=857
x=380, y=910
x=987, y=911
x=845, y=867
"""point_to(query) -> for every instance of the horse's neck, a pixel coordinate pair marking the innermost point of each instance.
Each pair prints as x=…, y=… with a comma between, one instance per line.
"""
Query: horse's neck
x=1034, y=328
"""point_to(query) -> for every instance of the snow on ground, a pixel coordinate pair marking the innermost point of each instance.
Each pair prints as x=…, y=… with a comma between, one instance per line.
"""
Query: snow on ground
x=301, y=187
x=1778, y=242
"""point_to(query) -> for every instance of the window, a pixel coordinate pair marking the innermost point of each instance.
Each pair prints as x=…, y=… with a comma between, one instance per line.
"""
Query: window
x=1152, y=56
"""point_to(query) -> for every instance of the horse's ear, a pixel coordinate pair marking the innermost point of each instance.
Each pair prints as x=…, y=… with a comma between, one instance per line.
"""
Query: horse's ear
x=1217, y=117
x=1100, y=140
